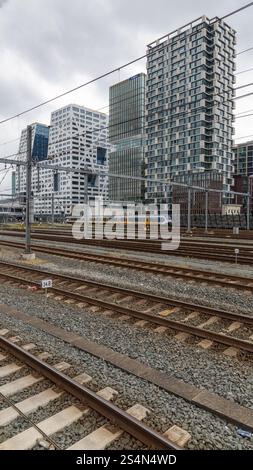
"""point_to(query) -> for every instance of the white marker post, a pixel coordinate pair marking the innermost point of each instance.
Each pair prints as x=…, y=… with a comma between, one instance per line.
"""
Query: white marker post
x=237, y=251
x=46, y=284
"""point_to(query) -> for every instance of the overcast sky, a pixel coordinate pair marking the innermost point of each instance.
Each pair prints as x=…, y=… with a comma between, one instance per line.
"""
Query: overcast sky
x=49, y=46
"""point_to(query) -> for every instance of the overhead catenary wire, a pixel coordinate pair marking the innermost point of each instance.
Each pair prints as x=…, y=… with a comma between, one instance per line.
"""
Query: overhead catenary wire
x=245, y=116
x=243, y=137
x=174, y=115
x=243, y=112
x=139, y=117
x=245, y=50
x=118, y=124
x=142, y=116
x=244, y=7
x=4, y=176
x=106, y=74
x=120, y=101
x=244, y=71
x=186, y=112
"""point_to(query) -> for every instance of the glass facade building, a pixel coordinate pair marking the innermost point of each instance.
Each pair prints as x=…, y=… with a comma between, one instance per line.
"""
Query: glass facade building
x=189, y=121
x=40, y=137
x=40, y=142
x=78, y=138
x=243, y=158
x=126, y=135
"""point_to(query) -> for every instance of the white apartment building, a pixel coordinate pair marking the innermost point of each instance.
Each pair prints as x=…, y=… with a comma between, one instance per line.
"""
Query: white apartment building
x=78, y=138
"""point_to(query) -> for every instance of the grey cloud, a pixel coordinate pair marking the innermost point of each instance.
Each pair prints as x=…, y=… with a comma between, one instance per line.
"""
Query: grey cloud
x=13, y=97
x=59, y=39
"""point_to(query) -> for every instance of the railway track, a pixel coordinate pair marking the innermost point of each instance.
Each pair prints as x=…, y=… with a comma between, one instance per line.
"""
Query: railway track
x=230, y=330
x=188, y=248
x=192, y=274
x=220, y=233
x=82, y=401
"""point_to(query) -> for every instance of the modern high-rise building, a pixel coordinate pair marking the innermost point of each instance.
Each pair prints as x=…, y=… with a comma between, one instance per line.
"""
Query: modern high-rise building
x=126, y=135
x=39, y=146
x=190, y=78
x=78, y=138
x=243, y=158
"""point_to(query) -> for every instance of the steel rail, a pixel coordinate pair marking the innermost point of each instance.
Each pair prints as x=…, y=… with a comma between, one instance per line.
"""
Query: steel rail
x=168, y=302
x=129, y=424
x=162, y=269
x=157, y=320
x=200, y=252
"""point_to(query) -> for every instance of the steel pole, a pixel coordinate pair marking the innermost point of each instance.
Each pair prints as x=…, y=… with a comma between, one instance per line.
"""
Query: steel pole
x=248, y=205
x=28, y=191
x=52, y=208
x=248, y=212
x=189, y=210
x=206, y=212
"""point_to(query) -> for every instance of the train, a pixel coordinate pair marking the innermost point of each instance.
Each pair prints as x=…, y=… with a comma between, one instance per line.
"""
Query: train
x=11, y=213
x=129, y=219
x=144, y=219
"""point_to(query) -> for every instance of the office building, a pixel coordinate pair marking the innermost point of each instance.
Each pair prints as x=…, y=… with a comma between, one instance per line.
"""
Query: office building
x=78, y=138
x=39, y=147
x=126, y=134
x=190, y=79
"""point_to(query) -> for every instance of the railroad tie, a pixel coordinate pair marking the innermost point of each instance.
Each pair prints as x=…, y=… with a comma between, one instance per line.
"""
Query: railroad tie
x=114, y=296
x=128, y=298
x=9, y=369
x=209, y=322
x=124, y=317
x=234, y=326
x=29, y=346
x=44, y=356
x=107, y=434
x=15, y=339
x=205, y=344
x=108, y=313
x=169, y=311
x=31, y=404
x=231, y=352
x=94, y=308
x=4, y=332
x=141, y=302
x=182, y=336
x=141, y=323
x=191, y=316
x=178, y=436
x=27, y=439
x=16, y=386
x=161, y=329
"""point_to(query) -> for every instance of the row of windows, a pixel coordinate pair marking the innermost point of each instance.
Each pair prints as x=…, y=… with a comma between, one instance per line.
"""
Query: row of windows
x=60, y=112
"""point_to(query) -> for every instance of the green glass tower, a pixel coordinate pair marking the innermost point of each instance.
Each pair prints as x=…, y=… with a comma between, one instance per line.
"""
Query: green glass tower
x=126, y=134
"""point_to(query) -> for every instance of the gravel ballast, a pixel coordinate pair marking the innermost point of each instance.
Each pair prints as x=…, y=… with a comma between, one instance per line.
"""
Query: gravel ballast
x=211, y=370
x=178, y=289
x=207, y=430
